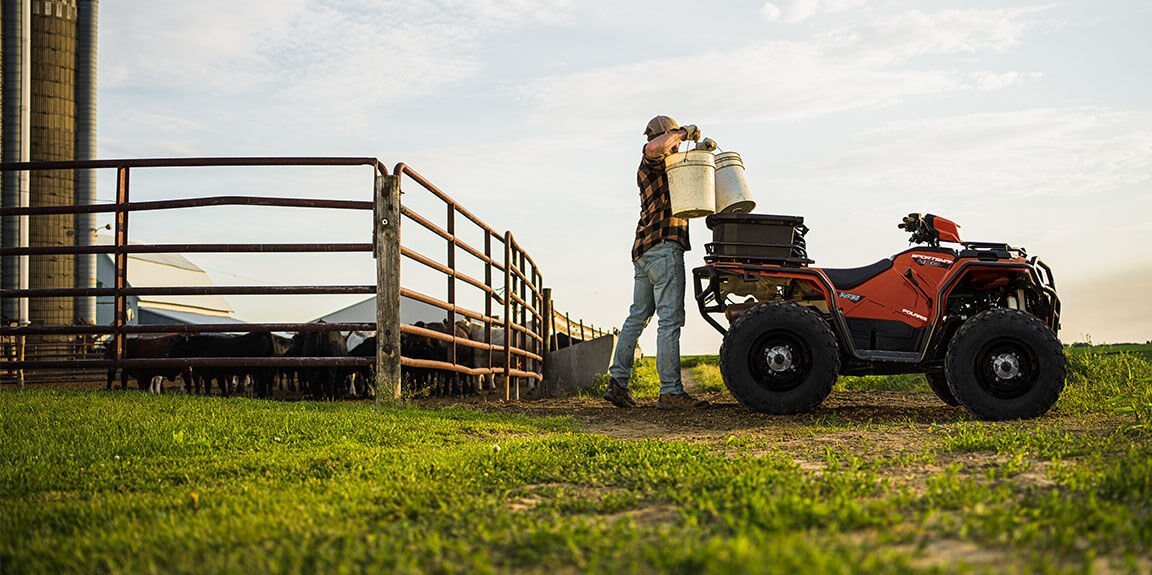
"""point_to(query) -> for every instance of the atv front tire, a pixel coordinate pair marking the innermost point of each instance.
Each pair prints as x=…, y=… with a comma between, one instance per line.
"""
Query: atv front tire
x=939, y=384
x=780, y=358
x=1005, y=364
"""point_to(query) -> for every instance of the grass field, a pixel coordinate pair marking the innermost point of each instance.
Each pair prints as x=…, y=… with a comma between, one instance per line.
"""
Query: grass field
x=1142, y=349
x=876, y=481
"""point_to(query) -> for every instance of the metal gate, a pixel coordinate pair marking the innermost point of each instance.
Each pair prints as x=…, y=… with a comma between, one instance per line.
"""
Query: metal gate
x=515, y=307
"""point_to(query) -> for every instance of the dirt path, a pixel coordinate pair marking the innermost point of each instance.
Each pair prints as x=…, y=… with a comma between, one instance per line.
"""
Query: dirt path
x=724, y=417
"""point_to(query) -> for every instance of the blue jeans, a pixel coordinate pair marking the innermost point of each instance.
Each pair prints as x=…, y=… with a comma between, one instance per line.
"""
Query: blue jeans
x=659, y=288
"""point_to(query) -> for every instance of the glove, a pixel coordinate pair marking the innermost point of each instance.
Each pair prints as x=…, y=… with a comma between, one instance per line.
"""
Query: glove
x=691, y=132
x=707, y=144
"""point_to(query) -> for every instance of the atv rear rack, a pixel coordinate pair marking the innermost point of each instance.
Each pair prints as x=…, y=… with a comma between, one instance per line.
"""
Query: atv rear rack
x=991, y=251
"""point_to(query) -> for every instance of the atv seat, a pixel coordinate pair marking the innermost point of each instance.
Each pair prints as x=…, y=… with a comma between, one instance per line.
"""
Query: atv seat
x=851, y=277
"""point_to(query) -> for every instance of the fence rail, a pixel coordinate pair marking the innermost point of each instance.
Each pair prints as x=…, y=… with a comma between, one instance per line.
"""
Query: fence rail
x=509, y=334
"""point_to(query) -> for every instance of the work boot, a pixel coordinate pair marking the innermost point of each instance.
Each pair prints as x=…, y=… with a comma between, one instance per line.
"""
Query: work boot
x=680, y=401
x=618, y=395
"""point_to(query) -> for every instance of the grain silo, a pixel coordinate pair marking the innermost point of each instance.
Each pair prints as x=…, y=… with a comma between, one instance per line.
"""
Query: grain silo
x=49, y=95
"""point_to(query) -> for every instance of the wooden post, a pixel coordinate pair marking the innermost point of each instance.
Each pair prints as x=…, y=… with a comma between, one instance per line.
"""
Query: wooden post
x=546, y=333
x=120, y=281
x=546, y=317
x=386, y=213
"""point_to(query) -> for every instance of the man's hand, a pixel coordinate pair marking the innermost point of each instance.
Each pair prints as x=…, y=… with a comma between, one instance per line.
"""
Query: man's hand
x=691, y=132
x=707, y=144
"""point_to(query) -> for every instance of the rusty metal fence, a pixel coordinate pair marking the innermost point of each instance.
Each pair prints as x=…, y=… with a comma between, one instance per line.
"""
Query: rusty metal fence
x=515, y=318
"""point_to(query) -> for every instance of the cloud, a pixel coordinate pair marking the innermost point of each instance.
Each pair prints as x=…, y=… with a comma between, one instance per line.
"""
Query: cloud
x=1066, y=152
x=899, y=36
x=800, y=10
x=862, y=66
x=302, y=52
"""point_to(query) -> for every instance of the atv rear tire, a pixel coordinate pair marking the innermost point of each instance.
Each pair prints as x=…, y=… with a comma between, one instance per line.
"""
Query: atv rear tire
x=1005, y=364
x=939, y=384
x=780, y=358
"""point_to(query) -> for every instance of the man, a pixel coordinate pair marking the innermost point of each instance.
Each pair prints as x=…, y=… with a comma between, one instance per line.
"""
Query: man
x=658, y=260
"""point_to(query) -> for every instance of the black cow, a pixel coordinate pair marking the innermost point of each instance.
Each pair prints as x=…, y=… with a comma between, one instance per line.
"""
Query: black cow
x=321, y=382
x=282, y=347
x=419, y=347
x=361, y=376
x=451, y=381
x=255, y=344
x=205, y=346
x=481, y=356
x=144, y=348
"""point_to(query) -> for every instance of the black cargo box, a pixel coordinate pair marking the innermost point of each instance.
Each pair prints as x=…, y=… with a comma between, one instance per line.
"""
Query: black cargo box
x=760, y=237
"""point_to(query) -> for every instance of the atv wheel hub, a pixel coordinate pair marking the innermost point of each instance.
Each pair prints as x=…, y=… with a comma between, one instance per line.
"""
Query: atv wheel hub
x=1006, y=366
x=779, y=358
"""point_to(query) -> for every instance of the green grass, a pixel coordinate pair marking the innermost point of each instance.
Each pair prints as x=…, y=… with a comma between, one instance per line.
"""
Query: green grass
x=127, y=482
x=904, y=382
x=645, y=382
x=1141, y=349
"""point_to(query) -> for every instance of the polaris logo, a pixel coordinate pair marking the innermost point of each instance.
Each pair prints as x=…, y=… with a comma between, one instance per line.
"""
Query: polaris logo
x=931, y=261
x=914, y=314
x=854, y=298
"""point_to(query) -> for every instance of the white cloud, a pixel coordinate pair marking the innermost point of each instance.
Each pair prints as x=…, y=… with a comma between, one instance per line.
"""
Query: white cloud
x=302, y=52
x=800, y=10
x=894, y=37
x=863, y=66
x=771, y=12
x=1054, y=152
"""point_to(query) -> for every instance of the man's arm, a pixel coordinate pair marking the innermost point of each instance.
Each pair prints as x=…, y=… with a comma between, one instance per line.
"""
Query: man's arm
x=664, y=144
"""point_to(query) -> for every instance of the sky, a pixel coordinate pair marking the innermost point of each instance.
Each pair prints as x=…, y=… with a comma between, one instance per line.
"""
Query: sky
x=1026, y=122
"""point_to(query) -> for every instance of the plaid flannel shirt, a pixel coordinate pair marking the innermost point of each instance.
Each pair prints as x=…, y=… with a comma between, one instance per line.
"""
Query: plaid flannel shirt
x=656, y=222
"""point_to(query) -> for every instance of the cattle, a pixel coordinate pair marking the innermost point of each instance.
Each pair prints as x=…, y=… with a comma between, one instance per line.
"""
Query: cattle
x=445, y=381
x=361, y=376
x=255, y=344
x=201, y=377
x=498, y=362
x=321, y=382
x=480, y=358
x=420, y=347
x=282, y=347
x=145, y=348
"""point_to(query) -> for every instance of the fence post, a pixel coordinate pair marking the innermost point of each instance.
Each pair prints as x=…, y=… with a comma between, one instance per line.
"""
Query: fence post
x=451, y=262
x=508, y=315
x=120, y=301
x=546, y=317
x=546, y=333
x=491, y=376
x=522, y=338
x=386, y=213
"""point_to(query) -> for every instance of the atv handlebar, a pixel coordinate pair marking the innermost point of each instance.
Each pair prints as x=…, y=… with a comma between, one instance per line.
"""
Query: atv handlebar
x=921, y=232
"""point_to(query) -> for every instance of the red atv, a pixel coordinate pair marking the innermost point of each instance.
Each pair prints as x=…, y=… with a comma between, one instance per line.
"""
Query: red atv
x=978, y=320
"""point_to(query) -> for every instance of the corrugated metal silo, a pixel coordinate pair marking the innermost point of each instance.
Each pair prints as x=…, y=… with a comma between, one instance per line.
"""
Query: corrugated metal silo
x=53, y=137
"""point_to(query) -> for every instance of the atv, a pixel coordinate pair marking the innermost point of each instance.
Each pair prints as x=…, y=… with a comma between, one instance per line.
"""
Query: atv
x=978, y=319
